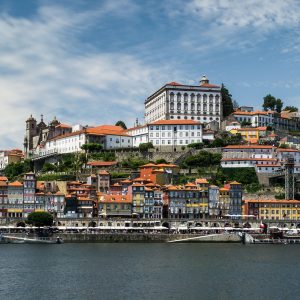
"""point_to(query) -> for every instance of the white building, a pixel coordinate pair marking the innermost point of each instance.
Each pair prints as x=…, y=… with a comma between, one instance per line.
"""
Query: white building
x=174, y=133
x=176, y=101
x=139, y=135
x=109, y=136
x=167, y=133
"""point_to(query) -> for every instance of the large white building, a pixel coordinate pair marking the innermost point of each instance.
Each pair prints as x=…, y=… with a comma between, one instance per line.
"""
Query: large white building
x=176, y=101
x=167, y=133
x=109, y=136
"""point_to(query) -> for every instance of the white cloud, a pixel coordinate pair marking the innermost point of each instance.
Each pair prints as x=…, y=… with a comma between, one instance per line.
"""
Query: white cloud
x=215, y=24
x=258, y=14
x=44, y=70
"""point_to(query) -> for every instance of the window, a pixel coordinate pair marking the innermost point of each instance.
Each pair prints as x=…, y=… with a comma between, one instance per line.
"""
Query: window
x=169, y=142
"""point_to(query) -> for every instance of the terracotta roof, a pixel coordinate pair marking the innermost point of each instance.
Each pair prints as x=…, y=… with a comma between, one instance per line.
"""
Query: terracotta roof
x=208, y=85
x=272, y=201
x=167, y=166
x=85, y=199
x=175, y=122
x=126, y=181
x=74, y=183
x=251, y=113
x=173, y=83
x=114, y=198
x=287, y=150
x=150, y=165
x=63, y=126
x=262, y=128
x=103, y=172
x=3, y=183
x=3, y=178
x=107, y=130
x=16, y=184
x=201, y=180
x=137, y=184
x=190, y=184
x=234, y=182
x=101, y=163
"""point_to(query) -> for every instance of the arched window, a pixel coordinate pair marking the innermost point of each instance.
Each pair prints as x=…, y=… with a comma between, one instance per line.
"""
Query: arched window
x=185, y=106
x=217, y=99
x=211, y=97
x=192, y=97
x=198, y=106
x=186, y=97
x=172, y=105
x=192, y=106
x=198, y=98
x=178, y=96
x=204, y=98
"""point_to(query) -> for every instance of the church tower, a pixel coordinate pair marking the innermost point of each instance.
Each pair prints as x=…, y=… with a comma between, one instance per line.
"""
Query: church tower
x=31, y=131
x=204, y=80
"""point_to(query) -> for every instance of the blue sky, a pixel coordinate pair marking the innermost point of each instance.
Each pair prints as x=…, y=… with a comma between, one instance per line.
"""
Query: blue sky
x=94, y=62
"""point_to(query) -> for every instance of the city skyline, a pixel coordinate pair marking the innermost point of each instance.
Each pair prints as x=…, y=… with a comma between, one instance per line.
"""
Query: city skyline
x=96, y=63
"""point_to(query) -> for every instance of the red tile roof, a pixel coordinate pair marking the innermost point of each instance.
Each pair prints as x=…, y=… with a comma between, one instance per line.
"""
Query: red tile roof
x=173, y=83
x=101, y=163
x=208, y=85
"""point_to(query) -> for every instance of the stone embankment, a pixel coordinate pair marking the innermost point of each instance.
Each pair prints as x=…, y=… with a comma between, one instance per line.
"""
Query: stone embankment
x=152, y=238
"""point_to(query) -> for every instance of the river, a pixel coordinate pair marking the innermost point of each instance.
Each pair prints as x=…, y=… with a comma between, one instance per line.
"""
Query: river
x=149, y=271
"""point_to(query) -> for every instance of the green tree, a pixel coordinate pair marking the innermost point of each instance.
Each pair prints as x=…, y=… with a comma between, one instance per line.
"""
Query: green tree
x=144, y=147
x=122, y=124
x=291, y=108
x=270, y=102
x=279, y=105
x=40, y=219
x=47, y=167
x=195, y=145
x=161, y=161
x=91, y=147
x=226, y=101
x=13, y=170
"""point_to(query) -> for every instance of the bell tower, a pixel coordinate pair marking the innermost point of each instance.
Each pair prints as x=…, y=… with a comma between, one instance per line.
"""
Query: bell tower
x=203, y=80
x=31, y=131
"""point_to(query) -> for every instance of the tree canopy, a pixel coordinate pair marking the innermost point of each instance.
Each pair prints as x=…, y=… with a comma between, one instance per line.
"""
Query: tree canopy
x=122, y=124
x=144, y=147
x=270, y=102
x=13, y=170
x=226, y=101
x=92, y=147
x=40, y=219
x=291, y=108
x=202, y=159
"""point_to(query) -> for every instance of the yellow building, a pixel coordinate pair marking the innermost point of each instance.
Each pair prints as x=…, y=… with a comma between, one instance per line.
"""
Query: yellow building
x=224, y=200
x=114, y=205
x=250, y=134
x=273, y=209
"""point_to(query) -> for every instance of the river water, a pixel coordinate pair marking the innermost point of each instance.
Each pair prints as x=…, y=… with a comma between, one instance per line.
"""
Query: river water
x=149, y=271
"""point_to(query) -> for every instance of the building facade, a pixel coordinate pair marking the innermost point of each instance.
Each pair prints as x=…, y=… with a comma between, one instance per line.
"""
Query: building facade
x=176, y=101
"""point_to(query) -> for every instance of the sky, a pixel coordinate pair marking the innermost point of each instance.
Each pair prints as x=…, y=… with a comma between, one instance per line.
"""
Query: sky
x=95, y=62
